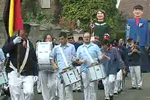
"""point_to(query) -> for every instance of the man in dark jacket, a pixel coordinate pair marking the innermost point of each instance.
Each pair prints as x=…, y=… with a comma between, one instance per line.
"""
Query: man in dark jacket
x=22, y=67
x=134, y=54
x=114, y=64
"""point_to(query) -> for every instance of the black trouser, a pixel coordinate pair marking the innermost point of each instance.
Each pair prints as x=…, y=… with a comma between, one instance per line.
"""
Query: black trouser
x=100, y=85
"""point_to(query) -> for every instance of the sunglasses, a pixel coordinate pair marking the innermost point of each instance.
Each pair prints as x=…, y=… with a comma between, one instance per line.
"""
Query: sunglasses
x=70, y=38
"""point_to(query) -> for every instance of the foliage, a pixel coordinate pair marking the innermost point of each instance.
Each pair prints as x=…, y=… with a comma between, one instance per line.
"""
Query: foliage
x=66, y=24
x=32, y=13
x=120, y=34
x=85, y=10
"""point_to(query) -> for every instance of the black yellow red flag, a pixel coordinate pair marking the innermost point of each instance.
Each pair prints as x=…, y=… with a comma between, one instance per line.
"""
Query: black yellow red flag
x=12, y=17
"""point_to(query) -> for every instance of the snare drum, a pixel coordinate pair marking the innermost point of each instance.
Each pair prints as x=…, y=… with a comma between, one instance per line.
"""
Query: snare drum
x=70, y=76
x=97, y=72
x=3, y=78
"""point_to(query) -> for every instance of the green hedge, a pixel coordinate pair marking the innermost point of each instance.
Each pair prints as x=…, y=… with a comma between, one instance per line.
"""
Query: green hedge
x=120, y=34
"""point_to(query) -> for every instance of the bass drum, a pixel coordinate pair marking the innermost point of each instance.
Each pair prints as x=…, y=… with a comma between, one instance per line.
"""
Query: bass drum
x=43, y=52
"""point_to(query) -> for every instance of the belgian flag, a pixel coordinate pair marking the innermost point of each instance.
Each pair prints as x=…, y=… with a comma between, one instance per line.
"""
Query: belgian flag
x=12, y=17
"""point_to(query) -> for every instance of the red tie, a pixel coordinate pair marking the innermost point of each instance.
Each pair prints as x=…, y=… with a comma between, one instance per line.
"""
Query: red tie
x=137, y=21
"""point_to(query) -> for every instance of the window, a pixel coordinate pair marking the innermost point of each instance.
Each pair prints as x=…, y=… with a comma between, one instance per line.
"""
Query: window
x=45, y=3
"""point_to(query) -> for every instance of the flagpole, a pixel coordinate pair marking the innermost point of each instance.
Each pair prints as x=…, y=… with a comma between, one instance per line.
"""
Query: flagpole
x=18, y=56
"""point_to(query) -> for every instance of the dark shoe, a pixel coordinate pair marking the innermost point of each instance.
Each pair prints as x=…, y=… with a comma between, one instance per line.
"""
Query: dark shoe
x=100, y=88
x=133, y=88
x=79, y=90
x=39, y=92
x=106, y=99
x=120, y=91
x=111, y=97
x=115, y=93
x=74, y=90
x=100, y=85
x=139, y=88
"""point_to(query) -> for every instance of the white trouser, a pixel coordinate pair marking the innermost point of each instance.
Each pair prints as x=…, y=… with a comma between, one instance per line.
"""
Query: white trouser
x=64, y=93
x=109, y=83
x=136, y=78
x=21, y=88
x=39, y=84
x=118, y=82
x=48, y=84
x=77, y=86
x=89, y=88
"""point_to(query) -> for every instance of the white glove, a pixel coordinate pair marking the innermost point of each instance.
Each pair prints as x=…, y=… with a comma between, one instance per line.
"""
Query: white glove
x=35, y=78
x=17, y=40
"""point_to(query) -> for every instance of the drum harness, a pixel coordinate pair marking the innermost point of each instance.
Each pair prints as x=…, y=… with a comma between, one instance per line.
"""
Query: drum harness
x=91, y=59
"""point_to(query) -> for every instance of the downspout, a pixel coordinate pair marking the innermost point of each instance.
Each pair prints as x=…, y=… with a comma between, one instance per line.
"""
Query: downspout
x=118, y=3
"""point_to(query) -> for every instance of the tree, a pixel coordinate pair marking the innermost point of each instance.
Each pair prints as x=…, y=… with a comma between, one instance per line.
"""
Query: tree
x=85, y=10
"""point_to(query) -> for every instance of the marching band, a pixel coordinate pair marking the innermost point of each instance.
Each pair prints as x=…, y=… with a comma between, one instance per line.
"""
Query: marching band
x=59, y=67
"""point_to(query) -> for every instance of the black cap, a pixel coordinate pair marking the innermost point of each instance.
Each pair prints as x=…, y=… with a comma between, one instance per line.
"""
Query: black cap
x=27, y=28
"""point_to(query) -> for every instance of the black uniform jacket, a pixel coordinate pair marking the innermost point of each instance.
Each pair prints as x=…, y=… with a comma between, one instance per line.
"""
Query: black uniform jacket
x=31, y=66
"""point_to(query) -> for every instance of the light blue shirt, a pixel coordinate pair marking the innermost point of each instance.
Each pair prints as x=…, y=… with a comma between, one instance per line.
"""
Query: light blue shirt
x=69, y=52
x=93, y=50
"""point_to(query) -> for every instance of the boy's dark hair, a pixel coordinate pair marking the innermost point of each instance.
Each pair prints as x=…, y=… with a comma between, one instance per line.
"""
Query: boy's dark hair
x=70, y=36
x=64, y=34
x=138, y=7
x=80, y=38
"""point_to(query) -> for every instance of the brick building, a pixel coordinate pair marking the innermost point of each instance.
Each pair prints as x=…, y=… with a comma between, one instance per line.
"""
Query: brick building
x=127, y=7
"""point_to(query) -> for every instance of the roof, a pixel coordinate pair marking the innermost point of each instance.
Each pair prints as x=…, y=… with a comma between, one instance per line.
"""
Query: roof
x=127, y=7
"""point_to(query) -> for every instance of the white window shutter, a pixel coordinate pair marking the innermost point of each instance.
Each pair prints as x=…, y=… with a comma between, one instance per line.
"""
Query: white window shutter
x=45, y=3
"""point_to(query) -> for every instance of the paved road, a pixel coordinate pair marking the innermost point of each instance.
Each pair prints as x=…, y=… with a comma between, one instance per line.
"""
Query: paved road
x=128, y=94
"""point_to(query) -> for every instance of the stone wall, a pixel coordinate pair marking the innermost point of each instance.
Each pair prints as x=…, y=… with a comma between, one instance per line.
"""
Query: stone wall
x=3, y=35
x=55, y=8
x=35, y=34
x=2, y=4
x=38, y=34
